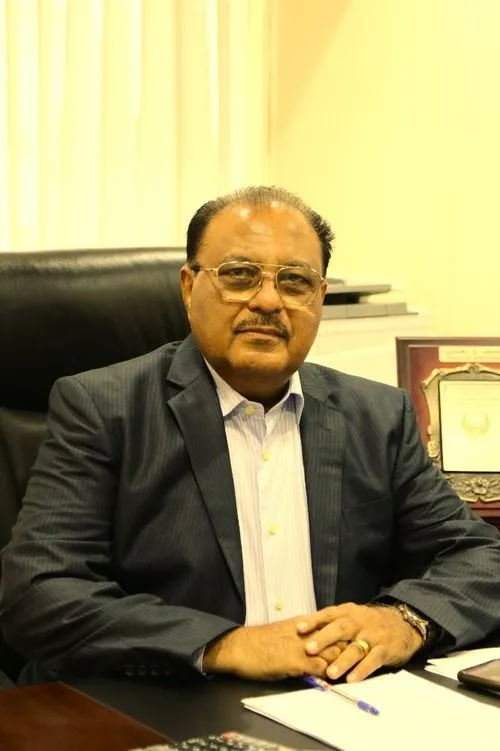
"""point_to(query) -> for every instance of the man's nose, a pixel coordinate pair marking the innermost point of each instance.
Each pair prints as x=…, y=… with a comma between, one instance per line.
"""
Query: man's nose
x=268, y=297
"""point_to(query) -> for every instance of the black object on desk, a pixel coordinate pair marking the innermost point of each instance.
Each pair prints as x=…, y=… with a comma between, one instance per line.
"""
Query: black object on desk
x=230, y=741
x=483, y=676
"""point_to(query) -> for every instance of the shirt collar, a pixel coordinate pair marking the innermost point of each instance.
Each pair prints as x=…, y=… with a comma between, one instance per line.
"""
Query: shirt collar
x=230, y=399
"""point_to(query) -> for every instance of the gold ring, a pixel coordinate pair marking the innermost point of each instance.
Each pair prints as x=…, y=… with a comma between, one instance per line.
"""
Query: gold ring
x=363, y=646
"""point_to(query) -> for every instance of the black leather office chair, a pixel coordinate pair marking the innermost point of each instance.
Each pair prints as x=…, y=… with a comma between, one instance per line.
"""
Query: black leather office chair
x=62, y=313
x=5, y=682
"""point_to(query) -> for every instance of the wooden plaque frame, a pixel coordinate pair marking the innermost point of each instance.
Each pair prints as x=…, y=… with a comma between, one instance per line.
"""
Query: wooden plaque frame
x=422, y=365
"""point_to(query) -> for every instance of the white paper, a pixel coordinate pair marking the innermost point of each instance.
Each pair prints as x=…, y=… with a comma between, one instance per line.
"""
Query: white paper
x=449, y=666
x=415, y=714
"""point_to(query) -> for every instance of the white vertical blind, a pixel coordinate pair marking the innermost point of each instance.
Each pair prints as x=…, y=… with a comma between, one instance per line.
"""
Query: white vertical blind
x=119, y=117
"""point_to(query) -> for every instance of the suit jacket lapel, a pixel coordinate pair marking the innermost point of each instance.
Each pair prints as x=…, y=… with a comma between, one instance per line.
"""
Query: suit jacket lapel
x=322, y=430
x=197, y=411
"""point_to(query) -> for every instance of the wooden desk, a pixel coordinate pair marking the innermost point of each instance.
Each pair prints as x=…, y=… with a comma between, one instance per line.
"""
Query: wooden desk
x=55, y=717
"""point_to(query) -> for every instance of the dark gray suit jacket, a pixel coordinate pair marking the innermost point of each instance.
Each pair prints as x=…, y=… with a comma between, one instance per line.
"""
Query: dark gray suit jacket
x=126, y=555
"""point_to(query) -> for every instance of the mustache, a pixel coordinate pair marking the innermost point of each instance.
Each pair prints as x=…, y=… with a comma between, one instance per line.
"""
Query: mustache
x=271, y=321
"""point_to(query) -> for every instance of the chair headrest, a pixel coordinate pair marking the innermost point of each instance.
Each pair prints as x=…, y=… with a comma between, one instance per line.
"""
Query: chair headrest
x=64, y=312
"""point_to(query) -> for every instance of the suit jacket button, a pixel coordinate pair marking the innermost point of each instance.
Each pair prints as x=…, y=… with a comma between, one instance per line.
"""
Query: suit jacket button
x=154, y=671
x=166, y=671
x=142, y=670
x=129, y=671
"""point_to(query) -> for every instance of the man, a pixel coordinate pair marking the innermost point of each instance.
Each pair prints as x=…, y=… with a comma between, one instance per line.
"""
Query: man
x=218, y=506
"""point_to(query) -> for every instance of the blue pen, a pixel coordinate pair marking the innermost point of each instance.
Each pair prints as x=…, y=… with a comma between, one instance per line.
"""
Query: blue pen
x=324, y=686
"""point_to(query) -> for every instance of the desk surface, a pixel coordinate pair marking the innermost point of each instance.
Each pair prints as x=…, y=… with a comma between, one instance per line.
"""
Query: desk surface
x=204, y=707
x=196, y=708
x=54, y=717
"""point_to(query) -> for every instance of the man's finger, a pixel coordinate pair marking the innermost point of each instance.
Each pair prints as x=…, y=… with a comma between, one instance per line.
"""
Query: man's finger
x=314, y=666
x=347, y=659
x=317, y=620
x=374, y=660
x=334, y=649
x=342, y=630
x=330, y=654
x=305, y=627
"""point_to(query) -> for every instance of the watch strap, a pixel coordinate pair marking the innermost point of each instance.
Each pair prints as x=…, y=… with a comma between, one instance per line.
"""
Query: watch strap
x=420, y=624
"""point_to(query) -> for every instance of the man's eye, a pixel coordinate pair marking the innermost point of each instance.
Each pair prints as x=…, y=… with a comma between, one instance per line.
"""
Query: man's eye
x=239, y=272
x=293, y=278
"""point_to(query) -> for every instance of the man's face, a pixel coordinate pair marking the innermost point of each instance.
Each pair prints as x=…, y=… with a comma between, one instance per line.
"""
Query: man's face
x=281, y=337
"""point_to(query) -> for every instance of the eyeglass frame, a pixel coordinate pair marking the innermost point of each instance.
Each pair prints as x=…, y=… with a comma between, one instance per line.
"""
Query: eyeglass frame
x=196, y=268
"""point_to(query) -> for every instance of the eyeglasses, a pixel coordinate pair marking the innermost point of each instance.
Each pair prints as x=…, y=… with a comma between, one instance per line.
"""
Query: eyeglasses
x=239, y=281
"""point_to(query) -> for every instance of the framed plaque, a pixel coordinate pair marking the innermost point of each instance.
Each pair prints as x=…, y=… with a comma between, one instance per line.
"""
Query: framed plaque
x=454, y=384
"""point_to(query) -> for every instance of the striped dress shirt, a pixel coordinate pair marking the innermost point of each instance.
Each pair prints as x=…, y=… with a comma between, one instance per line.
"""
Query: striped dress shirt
x=265, y=451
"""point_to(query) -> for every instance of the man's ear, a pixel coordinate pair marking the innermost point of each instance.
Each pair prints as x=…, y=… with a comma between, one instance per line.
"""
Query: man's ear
x=187, y=279
x=323, y=290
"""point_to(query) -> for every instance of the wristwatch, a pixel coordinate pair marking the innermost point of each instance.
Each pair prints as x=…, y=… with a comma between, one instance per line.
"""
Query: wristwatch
x=423, y=626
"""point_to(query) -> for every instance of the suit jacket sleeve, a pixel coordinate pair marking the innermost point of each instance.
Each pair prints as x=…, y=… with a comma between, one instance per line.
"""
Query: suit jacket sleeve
x=446, y=559
x=59, y=604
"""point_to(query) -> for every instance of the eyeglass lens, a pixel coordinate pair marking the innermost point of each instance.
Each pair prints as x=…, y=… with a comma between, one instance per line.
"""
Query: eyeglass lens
x=295, y=284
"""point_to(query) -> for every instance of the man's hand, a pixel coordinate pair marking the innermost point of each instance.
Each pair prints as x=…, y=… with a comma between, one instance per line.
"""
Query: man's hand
x=390, y=639
x=268, y=652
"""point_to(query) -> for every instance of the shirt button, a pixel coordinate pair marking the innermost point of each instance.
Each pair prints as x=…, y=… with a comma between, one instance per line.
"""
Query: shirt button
x=278, y=603
x=272, y=529
x=266, y=455
x=249, y=409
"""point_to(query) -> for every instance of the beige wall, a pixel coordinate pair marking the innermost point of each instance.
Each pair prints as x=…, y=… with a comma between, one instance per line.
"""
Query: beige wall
x=386, y=116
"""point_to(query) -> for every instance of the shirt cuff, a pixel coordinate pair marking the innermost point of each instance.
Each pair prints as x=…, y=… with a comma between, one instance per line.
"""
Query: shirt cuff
x=197, y=659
